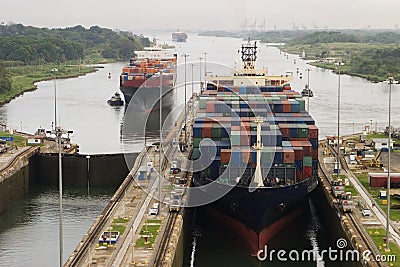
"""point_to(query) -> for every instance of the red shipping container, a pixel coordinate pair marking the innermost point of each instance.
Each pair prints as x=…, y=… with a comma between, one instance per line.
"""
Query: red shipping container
x=314, y=154
x=298, y=139
x=225, y=155
x=288, y=155
x=286, y=107
x=207, y=130
x=306, y=145
x=210, y=107
x=298, y=153
x=284, y=128
x=380, y=179
x=307, y=172
x=313, y=131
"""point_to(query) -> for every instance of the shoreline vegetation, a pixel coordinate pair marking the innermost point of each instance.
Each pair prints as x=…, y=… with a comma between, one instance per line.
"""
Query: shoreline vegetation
x=28, y=54
x=24, y=78
x=370, y=54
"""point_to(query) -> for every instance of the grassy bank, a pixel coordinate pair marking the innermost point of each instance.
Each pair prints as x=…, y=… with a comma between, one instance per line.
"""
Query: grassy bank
x=23, y=78
x=361, y=59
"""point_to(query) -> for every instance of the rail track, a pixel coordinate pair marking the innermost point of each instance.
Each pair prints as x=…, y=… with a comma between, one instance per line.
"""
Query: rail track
x=360, y=238
x=79, y=254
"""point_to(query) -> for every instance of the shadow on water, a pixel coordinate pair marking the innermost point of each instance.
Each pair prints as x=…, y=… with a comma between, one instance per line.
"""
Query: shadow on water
x=211, y=244
x=30, y=227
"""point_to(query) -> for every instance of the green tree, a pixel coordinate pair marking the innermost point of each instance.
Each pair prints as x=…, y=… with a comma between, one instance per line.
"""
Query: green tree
x=5, y=83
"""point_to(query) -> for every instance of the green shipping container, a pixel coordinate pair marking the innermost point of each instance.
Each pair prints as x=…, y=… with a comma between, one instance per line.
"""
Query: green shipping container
x=303, y=130
x=196, y=142
x=307, y=161
x=196, y=153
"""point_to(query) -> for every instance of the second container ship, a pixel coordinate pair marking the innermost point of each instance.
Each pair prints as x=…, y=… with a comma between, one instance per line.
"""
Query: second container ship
x=140, y=81
x=253, y=140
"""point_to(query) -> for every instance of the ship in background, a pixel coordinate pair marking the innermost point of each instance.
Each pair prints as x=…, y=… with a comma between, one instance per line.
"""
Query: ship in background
x=140, y=80
x=179, y=36
x=266, y=151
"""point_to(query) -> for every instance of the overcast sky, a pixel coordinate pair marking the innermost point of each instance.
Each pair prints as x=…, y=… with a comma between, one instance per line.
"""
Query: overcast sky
x=202, y=14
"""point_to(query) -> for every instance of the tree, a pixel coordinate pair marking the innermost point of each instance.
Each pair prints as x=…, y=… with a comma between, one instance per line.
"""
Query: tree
x=5, y=83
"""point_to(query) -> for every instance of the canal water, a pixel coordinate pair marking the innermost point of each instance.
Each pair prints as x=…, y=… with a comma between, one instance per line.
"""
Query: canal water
x=29, y=231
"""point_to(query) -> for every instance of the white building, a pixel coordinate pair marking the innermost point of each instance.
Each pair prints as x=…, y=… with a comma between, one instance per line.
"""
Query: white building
x=381, y=143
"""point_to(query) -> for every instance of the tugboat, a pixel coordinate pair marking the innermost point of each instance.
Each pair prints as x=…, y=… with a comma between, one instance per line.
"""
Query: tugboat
x=307, y=91
x=115, y=100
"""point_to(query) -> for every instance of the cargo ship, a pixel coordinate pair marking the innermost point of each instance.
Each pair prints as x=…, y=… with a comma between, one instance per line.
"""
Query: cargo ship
x=140, y=80
x=179, y=37
x=254, y=141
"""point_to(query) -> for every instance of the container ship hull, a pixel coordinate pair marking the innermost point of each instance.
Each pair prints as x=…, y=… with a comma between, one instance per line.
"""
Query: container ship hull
x=179, y=37
x=146, y=95
x=253, y=136
x=258, y=216
x=141, y=79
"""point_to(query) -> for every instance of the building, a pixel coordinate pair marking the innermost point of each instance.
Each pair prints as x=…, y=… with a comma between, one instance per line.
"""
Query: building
x=381, y=143
x=380, y=179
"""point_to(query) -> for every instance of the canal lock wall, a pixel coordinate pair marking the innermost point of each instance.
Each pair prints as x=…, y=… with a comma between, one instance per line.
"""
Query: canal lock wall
x=32, y=168
x=14, y=179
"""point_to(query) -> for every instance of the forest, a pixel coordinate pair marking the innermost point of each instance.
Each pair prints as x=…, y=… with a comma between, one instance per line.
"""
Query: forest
x=27, y=54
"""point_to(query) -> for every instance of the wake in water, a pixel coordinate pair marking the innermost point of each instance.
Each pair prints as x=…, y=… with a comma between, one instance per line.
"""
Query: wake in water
x=312, y=233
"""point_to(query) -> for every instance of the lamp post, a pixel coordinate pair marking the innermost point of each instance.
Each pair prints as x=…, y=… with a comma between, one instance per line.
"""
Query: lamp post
x=205, y=66
x=308, y=91
x=160, y=155
x=88, y=172
x=185, y=55
x=391, y=81
x=338, y=121
x=55, y=96
x=370, y=129
x=192, y=77
x=201, y=87
x=58, y=131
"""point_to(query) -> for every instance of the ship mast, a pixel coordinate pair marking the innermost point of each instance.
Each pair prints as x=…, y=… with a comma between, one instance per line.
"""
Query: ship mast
x=258, y=180
x=249, y=56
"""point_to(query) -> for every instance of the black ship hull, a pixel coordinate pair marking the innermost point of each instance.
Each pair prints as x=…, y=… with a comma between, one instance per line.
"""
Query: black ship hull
x=258, y=216
x=147, y=99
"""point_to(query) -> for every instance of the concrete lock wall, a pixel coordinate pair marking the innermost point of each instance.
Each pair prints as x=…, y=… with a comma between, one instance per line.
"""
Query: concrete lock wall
x=14, y=187
x=101, y=170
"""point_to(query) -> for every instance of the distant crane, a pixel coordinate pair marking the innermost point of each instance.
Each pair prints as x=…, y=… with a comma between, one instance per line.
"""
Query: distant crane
x=243, y=27
x=261, y=27
x=253, y=27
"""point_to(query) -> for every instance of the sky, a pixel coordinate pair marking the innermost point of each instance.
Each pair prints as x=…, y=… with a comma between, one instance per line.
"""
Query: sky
x=202, y=14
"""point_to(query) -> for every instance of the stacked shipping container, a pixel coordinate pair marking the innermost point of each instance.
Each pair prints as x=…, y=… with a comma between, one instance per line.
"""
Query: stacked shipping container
x=226, y=115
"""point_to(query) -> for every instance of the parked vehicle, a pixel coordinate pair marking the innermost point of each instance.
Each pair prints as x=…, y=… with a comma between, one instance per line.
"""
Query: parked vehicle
x=154, y=209
x=366, y=212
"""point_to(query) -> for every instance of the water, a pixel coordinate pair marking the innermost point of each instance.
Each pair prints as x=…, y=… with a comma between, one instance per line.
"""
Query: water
x=29, y=231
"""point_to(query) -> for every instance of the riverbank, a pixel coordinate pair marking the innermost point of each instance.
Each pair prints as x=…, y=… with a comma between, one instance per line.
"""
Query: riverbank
x=23, y=78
